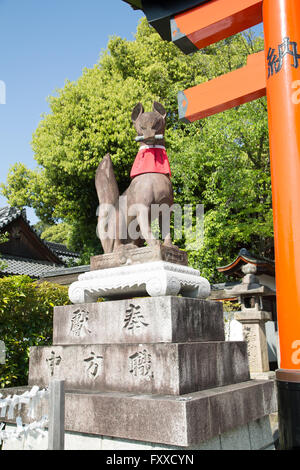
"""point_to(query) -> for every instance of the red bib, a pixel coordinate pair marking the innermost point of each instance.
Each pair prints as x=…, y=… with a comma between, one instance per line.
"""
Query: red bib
x=151, y=160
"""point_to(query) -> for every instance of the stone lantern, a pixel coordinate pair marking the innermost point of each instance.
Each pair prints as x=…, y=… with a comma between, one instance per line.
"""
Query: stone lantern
x=256, y=310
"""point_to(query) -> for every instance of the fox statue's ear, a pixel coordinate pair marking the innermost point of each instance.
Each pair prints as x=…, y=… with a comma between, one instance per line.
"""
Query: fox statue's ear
x=137, y=111
x=159, y=109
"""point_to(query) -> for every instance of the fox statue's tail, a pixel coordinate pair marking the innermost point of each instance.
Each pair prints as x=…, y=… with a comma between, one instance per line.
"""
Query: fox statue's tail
x=108, y=195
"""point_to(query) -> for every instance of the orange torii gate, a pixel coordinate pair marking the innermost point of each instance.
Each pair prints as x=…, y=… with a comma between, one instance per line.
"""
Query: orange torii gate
x=192, y=25
x=242, y=85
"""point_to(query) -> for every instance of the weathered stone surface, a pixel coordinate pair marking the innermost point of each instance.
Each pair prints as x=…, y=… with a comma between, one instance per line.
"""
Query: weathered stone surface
x=161, y=368
x=260, y=432
x=230, y=440
x=155, y=279
x=179, y=421
x=143, y=320
x=256, y=436
x=126, y=257
x=254, y=333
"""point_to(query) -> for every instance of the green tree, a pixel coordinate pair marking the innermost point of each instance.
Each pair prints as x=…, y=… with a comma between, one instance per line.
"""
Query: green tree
x=26, y=319
x=58, y=233
x=221, y=161
x=233, y=153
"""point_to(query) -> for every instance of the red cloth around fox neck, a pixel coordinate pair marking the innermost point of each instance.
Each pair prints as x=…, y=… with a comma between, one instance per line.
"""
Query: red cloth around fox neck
x=151, y=160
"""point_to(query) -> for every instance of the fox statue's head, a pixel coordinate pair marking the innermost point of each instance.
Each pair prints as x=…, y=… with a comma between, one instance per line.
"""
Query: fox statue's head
x=150, y=126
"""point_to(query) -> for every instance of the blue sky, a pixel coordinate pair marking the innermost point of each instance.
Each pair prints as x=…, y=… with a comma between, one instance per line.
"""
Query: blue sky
x=43, y=43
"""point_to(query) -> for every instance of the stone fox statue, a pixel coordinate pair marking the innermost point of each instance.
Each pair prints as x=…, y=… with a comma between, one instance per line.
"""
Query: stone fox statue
x=151, y=184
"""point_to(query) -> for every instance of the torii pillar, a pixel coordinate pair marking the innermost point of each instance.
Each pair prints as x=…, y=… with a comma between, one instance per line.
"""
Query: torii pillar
x=282, y=47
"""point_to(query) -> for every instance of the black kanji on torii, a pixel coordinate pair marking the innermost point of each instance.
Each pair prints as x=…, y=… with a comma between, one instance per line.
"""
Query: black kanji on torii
x=275, y=62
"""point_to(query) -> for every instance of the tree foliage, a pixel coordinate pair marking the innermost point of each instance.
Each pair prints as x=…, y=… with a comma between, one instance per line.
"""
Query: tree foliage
x=58, y=233
x=221, y=161
x=26, y=319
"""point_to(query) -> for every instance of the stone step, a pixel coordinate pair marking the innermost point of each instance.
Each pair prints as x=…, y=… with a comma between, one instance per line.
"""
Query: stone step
x=142, y=320
x=180, y=421
x=155, y=368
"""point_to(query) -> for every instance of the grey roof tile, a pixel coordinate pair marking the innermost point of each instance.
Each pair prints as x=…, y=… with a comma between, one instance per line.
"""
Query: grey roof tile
x=65, y=271
x=31, y=267
x=61, y=250
x=9, y=214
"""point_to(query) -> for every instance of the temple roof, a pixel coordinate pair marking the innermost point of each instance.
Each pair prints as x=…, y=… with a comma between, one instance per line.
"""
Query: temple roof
x=9, y=214
x=15, y=265
x=264, y=266
x=26, y=252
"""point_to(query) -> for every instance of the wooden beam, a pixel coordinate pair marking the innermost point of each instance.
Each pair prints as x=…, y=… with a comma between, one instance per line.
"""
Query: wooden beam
x=213, y=21
x=233, y=89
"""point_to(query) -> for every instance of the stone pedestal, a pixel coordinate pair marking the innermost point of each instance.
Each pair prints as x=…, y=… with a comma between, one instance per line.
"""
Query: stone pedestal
x=233, y=417
x=254, y=332
x=157, y=278
x=253, y=315
x=139, y=272
x=151, y=371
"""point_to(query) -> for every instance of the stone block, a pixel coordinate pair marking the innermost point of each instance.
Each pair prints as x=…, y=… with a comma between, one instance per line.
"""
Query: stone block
x=245, y=405
x=231, y=440
x=211, y=444
x=157, y=368
x=142, y=320
x=188, y=421
x=235, y=439
x=143, y=418
x=260, y=433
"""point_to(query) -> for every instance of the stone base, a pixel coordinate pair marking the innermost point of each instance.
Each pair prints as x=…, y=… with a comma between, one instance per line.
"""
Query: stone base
x=156, y=368
x=185, y=421
x=157, y=278
x=129, y=256
x=256, y=435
